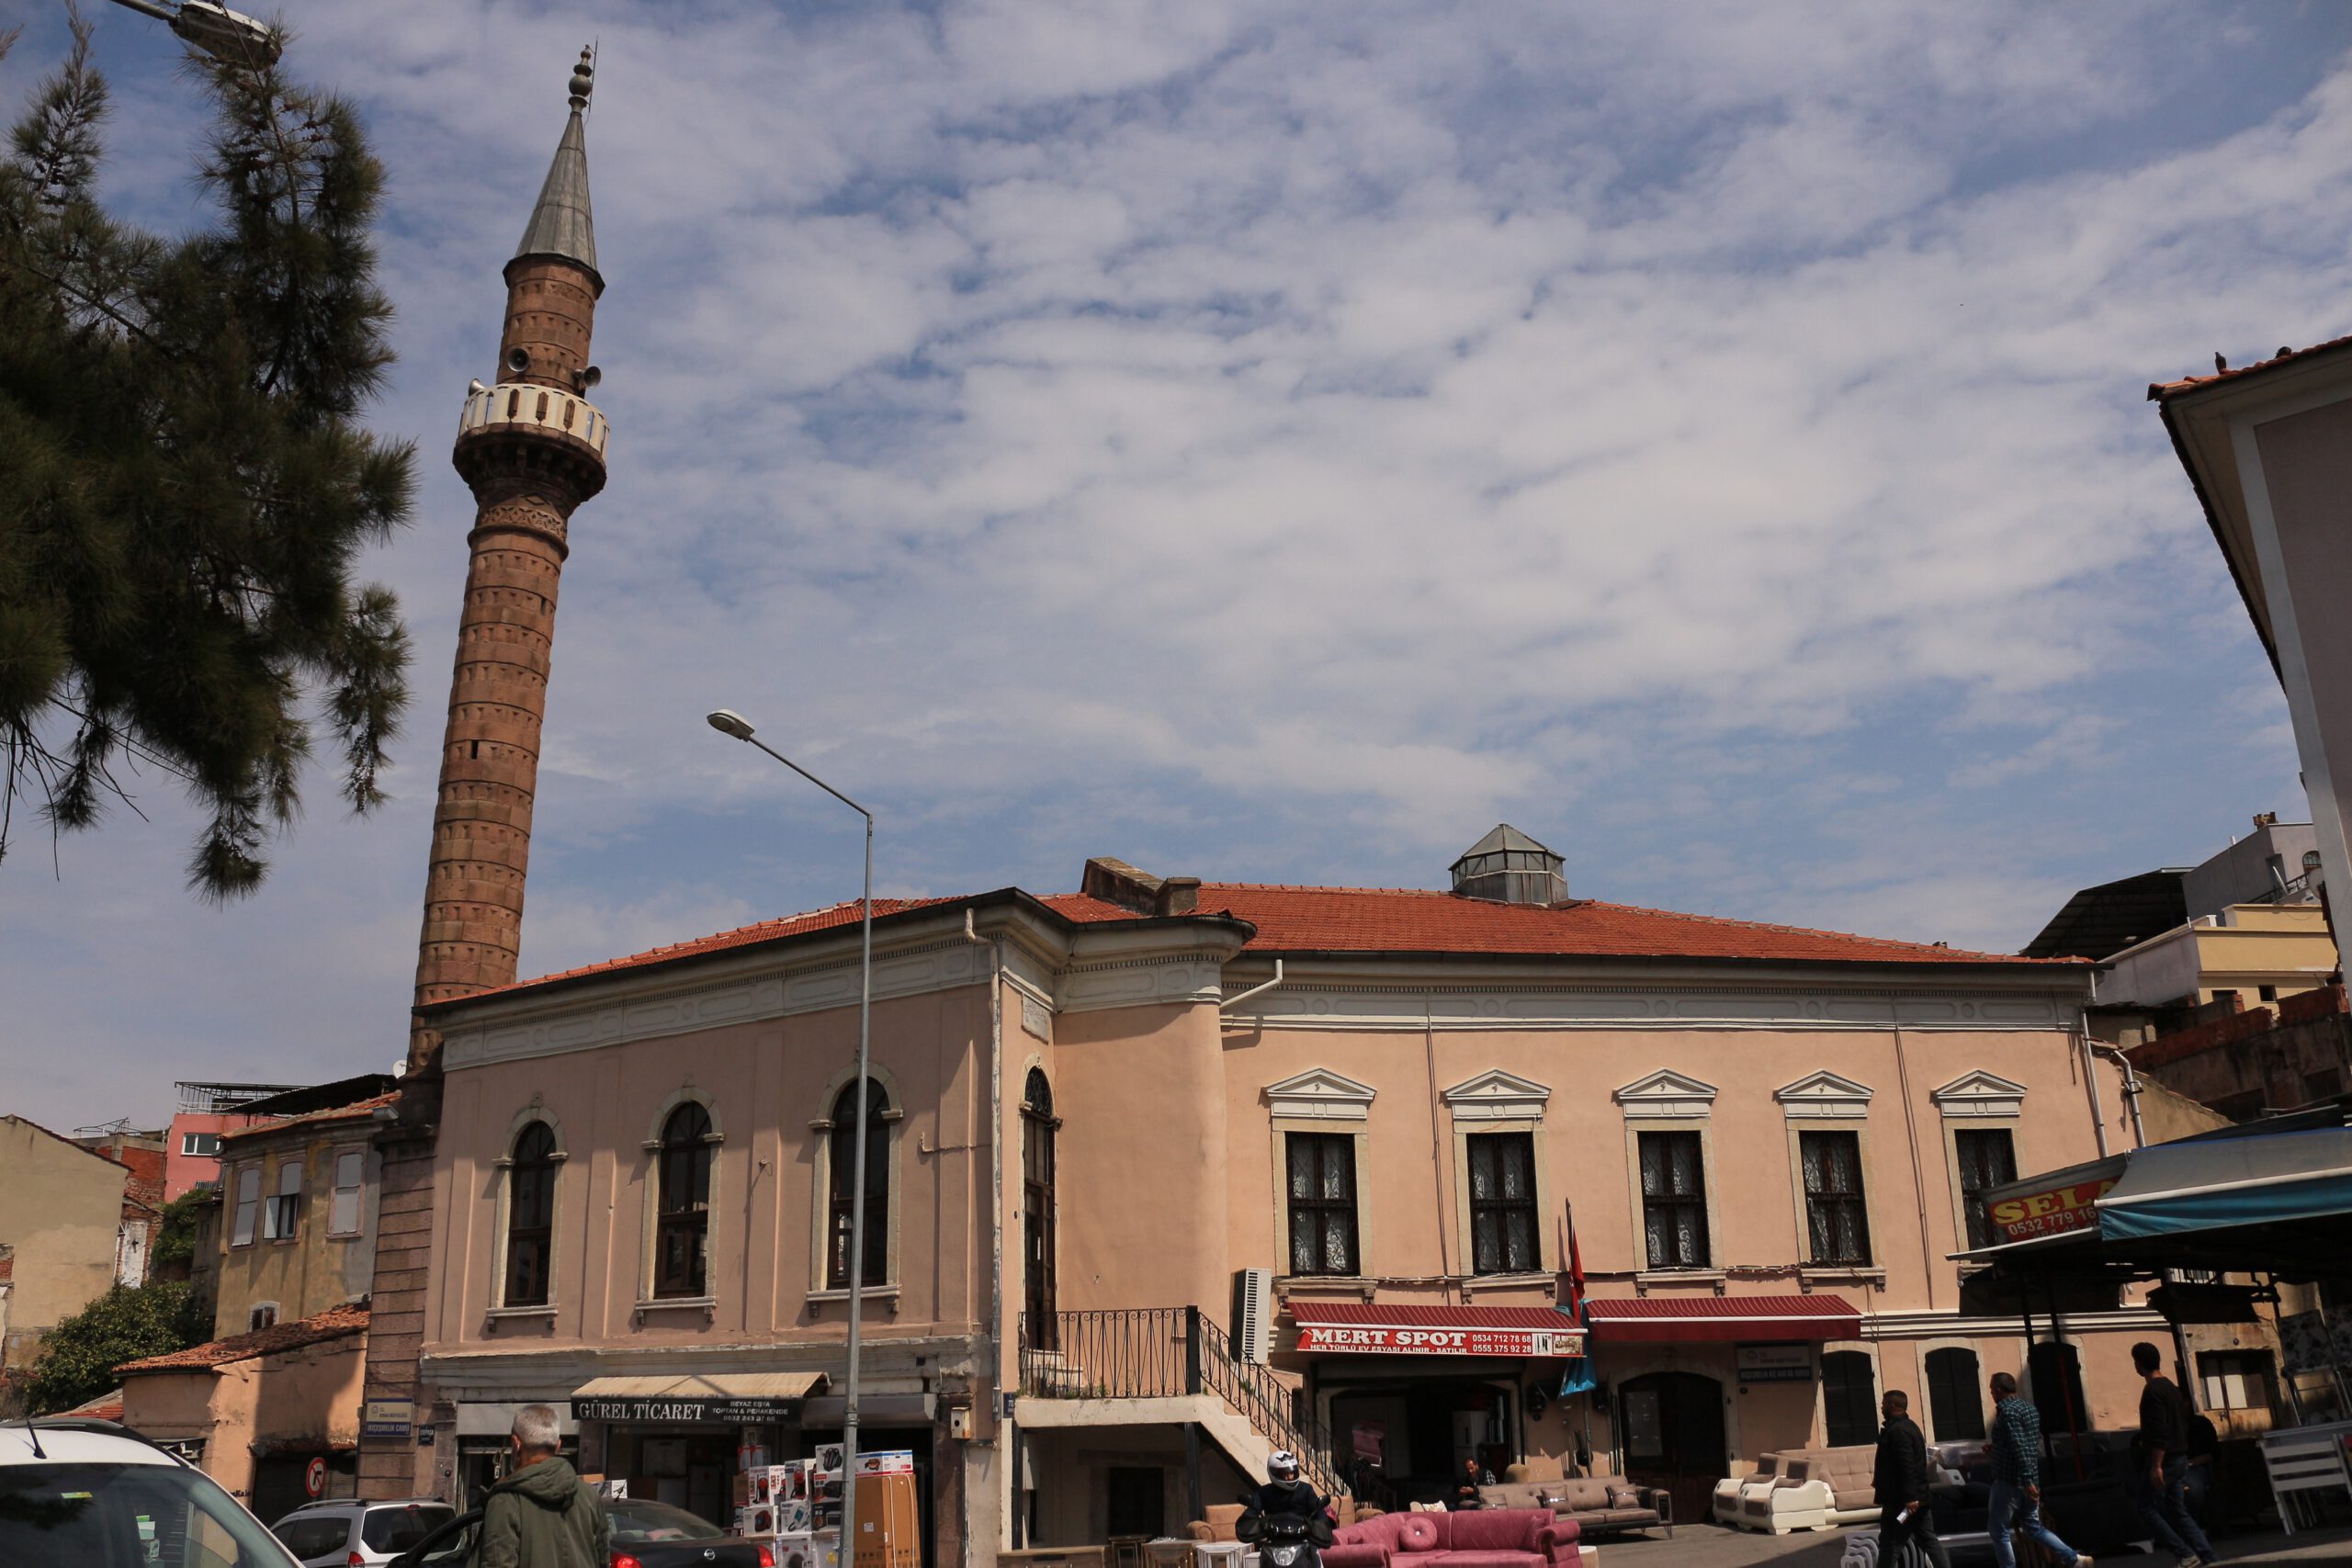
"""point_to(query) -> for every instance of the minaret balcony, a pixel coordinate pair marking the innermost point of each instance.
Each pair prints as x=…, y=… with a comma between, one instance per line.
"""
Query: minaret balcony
x=528, y=406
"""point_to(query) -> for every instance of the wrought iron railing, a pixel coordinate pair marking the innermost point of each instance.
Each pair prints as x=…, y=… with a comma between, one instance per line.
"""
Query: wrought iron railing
x=1162, y=1352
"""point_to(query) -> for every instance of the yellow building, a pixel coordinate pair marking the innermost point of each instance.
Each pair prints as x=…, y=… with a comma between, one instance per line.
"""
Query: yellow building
x=298, y=1217
x=69, y=1221
x=2247, y=952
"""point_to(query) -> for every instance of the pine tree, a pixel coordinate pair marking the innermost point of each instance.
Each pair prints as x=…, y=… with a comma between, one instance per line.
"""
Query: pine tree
x=185, y=488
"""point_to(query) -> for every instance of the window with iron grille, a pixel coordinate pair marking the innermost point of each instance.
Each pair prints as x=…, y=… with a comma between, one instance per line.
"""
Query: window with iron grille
x=1041, y=1325
x=530, y=1216
x=876, y=1267
x=1674, y=1200
x=1322, y=1203
x=1502, y=1204
x=682, y=1222
x=1987, y=1158
x=1835, y=1215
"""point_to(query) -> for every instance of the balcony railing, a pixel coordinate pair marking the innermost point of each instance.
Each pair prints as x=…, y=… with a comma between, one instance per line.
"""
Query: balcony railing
x=1162, y=1353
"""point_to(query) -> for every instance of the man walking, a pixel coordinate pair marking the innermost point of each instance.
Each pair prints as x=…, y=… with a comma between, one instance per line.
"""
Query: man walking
x=1899, y=1478
x=2016, y=1501
x=2162, y=1467
x=543, y=1515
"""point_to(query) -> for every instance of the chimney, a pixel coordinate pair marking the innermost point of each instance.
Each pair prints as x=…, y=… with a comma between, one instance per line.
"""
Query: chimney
x=1116, y=882
x=1508, y=867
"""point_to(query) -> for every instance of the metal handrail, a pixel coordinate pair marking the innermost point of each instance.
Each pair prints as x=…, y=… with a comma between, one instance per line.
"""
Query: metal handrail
x=1162, y=1352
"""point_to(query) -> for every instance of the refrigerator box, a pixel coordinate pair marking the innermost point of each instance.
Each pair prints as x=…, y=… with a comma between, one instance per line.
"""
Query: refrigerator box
x=887, y=1462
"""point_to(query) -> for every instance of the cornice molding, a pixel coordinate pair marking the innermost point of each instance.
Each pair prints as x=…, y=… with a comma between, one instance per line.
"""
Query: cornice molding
x=1666, y=1094
x=1824, y=1096
x=1979, y=1093
x=1319, y=1095
x=1497, y=1096
x=1305, y=1003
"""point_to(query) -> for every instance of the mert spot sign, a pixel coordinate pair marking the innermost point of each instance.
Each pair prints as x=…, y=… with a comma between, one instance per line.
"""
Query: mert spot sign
x=1375, y=1339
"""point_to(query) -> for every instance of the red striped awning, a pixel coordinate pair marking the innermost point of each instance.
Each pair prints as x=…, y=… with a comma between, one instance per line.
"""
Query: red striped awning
x=1653, y=1320
x=1372, y=1328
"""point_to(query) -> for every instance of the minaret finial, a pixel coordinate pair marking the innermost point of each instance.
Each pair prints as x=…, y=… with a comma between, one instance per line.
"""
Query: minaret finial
x=583, y=79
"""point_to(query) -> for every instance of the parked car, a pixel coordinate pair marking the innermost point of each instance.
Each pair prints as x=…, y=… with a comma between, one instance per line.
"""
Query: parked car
x=645, y=1535
x=2088, y=1502
x=346, y=1532
x=97, y=1495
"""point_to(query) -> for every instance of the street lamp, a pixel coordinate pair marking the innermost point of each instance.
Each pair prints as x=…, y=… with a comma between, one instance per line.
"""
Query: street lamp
x=222, y=33
x=726, y=721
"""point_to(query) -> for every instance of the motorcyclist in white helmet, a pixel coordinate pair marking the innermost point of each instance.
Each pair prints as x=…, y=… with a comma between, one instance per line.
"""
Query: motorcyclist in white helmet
x=1285, y=1491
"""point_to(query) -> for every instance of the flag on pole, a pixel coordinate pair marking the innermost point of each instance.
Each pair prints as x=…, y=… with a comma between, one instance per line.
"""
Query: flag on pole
x=1578, y=1377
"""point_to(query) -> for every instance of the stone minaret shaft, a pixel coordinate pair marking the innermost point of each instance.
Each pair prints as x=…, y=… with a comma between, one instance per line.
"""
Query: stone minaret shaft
x=532, y=449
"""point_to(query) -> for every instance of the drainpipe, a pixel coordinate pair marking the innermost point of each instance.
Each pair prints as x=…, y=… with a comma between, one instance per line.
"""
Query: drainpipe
x=2090, y=1079
x=1437, y=1144
x=1919, y=1179
x=1007, y=1442
x=1231, y=1002
x=2130, y=1090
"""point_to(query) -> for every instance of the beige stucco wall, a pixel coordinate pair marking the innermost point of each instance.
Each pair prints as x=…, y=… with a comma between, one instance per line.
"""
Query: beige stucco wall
x=61, y=1208
x=2250, y=946
x=764, y=1084
x=311, y=1271
x=307, y=1397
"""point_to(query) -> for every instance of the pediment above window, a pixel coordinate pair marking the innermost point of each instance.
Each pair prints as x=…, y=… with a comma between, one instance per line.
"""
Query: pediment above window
x=1320, y=1095
x=1666, y=1093
x=1824, y=1095
x=1498, y=1096
x=1979, y=1093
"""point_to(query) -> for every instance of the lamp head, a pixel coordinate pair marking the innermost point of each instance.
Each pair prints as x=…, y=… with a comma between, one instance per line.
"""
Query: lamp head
x=726, y=721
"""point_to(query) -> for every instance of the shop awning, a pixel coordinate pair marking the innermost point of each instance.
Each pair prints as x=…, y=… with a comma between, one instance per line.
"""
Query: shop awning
x=1670, y=1320
x=1362, y=1329
x=716, y=1397
x=2172, y=1189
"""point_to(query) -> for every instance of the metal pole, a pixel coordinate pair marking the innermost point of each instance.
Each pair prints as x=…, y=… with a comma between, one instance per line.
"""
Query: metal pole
x=857, y=1212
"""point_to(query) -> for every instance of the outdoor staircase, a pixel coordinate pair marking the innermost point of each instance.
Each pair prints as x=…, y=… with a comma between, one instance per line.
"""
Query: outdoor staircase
x=1166, y=1366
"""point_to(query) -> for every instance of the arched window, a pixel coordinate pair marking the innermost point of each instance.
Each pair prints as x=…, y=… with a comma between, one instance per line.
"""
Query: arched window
x=682, y=1226
x=530, y=1216
x=1953, y=1396
x=843, y=1158
x=1848, y=1399
x=1037, y=1127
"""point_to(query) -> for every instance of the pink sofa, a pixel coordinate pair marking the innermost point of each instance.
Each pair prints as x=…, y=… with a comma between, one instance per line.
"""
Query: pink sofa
x=1478, y=1538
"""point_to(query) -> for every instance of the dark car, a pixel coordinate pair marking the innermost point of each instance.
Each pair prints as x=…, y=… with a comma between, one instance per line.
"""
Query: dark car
x=2086, y=1498
x=645, y=1535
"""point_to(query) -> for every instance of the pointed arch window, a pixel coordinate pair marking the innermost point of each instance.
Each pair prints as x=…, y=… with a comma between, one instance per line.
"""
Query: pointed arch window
x=1038, y=1126
x=842, y=1158
x=530, y=1216
x=682, y=1224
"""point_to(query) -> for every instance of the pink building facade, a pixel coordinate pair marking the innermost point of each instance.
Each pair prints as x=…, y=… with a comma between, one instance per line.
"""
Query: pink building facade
x=1138, y=1148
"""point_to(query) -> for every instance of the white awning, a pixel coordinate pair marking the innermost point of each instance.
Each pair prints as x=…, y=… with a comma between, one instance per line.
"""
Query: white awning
x=704, y=1385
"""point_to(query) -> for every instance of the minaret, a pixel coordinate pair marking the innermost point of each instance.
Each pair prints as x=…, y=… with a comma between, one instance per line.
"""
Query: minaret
x=532, y=448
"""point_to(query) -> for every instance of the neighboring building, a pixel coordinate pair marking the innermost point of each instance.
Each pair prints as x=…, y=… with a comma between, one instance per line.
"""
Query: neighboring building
x=295, y=1222
x=141, y=1154
x=1091, y=1112
x=2246, y=1062
x=255, y=1411
x=2246, y=954
x=78, y=1223
x=192, y=1152
x=2268, y=449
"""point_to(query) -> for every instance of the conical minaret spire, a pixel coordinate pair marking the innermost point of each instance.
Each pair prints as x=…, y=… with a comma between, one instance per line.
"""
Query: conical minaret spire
x=562, y=226
x=532, y=449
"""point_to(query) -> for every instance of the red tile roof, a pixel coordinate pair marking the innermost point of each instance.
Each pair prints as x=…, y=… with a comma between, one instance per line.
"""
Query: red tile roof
x=357, y=1111
x=1379, y=920
x=107, y=1406
x=2160, y=391
x=1386, y=920
x=336, y=1322
x=1074, y=907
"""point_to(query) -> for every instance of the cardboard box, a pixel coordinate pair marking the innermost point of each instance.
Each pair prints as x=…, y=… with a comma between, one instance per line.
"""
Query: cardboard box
x=794, y=1518
x=757, y=1521
x=796, y=1550
x=887, y=1462
x=829, y=1459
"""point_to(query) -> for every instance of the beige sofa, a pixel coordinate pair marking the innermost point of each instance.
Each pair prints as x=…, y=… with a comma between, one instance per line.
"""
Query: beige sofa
x=1588, y=1502
x=1817, y=1489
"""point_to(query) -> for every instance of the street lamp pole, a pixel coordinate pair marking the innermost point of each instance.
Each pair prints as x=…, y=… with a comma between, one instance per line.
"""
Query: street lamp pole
x=726, y=721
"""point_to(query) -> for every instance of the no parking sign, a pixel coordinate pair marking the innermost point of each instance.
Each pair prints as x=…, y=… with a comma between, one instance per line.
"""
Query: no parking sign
x=314, y=1477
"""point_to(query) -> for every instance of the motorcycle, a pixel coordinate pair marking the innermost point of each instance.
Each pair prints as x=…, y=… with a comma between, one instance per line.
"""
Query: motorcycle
x=1286, y=1540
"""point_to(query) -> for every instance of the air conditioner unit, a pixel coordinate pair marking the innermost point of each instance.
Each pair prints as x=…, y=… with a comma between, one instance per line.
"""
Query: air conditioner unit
x=1253, y=1315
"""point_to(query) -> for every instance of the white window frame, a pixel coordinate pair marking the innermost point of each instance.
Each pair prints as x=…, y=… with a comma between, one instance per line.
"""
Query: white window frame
x=200, y=1146
x=246, y=1207
x=1669, y=1101
x=1320, y=1100
x=650, y=1221
x=504, y=1164
x=254, y=1309
x=289, y=1172
x=339, y=1224
x=820, y=1288
x=1499, y=1101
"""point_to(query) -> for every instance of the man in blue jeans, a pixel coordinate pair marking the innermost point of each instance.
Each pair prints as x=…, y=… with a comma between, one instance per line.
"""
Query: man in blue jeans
x=2017, y=1480
x=2160, y=1467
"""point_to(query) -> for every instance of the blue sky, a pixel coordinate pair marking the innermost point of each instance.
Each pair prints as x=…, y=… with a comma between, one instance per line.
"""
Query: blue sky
x=1276, y=442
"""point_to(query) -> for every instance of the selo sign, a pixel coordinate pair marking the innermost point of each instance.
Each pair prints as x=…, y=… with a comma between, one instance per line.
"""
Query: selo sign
x=2061, y=1209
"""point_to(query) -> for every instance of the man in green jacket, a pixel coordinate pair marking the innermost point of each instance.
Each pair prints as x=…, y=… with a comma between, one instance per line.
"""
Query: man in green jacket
x=543, y=1515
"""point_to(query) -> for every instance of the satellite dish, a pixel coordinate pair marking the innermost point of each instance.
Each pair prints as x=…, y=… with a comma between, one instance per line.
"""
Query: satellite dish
x=590, y=377
x=518, y=359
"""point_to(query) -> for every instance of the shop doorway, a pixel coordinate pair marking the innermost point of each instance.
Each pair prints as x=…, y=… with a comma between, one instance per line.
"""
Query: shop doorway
x=2054, y=1373
x=1672, y=1425
x=1424, y=1429
x=1138, y=1501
